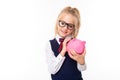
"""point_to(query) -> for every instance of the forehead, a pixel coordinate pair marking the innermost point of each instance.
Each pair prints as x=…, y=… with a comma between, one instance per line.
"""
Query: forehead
x=67, y=18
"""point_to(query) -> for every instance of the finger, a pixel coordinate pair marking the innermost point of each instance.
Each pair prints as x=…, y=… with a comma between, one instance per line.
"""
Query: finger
x=84, y=52
x=71, y=56
x=67, y=38
x=73, y=53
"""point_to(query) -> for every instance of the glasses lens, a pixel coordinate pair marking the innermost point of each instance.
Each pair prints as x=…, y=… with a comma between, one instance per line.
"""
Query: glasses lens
x=70, y=26
x=62, y=23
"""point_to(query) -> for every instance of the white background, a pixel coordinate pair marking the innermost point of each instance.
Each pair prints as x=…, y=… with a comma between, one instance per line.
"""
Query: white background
x=26, y=26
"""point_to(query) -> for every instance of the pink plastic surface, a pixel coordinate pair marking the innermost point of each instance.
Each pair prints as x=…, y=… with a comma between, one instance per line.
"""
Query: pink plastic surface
x=76, y=45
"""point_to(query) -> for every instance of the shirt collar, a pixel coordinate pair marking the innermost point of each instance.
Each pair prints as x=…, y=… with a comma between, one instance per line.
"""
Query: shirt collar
x=57, y=38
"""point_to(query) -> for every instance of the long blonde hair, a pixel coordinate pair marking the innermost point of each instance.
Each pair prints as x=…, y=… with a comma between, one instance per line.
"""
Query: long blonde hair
x=74, y=12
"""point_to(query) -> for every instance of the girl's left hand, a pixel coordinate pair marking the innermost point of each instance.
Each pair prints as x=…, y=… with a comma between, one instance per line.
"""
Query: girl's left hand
x=77, y=57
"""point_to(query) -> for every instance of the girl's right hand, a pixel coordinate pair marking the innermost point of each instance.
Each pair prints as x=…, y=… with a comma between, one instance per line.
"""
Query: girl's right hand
x=66, y=40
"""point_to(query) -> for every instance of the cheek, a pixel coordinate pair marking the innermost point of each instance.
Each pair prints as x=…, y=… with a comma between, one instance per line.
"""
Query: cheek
x=58, y=29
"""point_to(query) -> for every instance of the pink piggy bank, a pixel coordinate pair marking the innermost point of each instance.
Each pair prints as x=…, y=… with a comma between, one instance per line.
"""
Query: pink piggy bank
x=76, y=45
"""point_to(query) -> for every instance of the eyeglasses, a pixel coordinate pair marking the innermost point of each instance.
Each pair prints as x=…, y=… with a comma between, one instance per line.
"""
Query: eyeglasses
x=64, y=24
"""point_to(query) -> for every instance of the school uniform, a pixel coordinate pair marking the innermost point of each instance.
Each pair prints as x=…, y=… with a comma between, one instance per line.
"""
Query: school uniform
x=62, y=68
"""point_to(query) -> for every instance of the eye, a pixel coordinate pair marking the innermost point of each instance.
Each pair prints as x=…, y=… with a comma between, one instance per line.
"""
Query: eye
x=62, y=23
x=70, y=26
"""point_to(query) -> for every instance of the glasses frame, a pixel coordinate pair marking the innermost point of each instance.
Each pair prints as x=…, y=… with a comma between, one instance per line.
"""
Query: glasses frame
x=68, y=25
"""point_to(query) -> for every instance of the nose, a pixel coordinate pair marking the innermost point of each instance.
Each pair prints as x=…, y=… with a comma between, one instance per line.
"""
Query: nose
x=66, y=27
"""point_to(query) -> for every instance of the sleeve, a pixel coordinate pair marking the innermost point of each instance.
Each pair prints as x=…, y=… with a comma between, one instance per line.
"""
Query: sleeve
x=81, y=67
x=54, y=63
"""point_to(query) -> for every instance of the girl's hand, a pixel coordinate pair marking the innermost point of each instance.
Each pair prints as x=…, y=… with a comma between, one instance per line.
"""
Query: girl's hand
x=77, y=57
x=66, y=40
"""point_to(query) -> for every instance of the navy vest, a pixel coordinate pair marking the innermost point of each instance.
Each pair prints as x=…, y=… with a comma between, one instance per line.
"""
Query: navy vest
x=68, y=70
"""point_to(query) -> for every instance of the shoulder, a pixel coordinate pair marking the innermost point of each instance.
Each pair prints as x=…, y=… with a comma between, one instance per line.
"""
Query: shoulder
x=49, y=41
x=52, y=39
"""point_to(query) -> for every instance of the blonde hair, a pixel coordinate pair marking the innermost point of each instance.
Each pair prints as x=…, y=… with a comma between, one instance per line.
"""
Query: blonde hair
x=74, y=12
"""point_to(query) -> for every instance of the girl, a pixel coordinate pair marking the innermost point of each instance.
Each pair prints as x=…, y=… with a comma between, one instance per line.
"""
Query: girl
x=61, y=64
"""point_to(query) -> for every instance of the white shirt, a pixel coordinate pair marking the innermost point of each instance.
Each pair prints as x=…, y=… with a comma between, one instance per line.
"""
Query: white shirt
x=55, y=63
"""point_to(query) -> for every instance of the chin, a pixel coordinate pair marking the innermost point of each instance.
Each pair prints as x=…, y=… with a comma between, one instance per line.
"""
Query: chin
x=63, y=35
